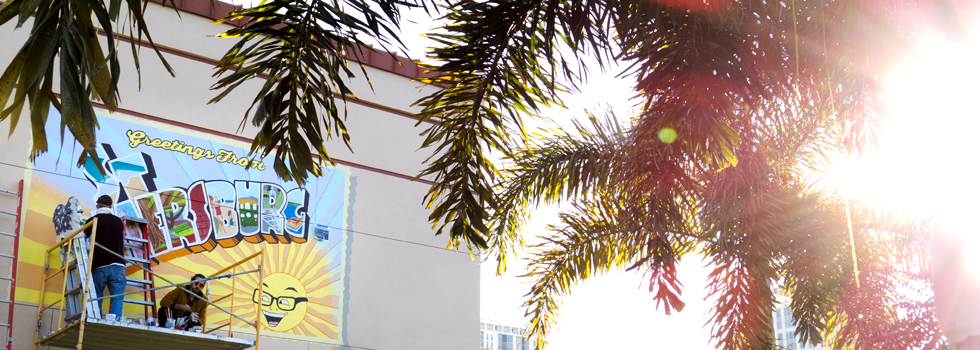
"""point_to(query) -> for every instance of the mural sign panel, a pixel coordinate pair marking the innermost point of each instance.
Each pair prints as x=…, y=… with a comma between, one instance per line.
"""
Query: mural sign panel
x=207, y=206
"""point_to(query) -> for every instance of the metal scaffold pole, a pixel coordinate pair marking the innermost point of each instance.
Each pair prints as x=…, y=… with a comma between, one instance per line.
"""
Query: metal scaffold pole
x=12, y=278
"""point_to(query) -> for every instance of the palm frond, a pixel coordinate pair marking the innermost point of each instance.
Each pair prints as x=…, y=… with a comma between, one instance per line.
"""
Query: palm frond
x=563, y=164
x=598, y=236
x=302, y=49
x=619, y=221
x=888, y=305
x=64, y=37
x=745, y=223
x=813, y=273
x=498, y=64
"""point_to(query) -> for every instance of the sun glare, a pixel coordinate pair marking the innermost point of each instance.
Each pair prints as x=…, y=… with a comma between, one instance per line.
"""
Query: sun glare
x=927, y=159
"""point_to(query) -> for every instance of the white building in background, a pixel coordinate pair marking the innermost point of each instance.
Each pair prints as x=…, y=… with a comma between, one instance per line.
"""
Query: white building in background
x=496, y=336
x=783, y=325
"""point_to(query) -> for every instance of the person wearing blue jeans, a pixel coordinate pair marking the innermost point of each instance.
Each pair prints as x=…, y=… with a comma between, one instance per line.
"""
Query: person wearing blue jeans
x=108, y=270
x=114, y=277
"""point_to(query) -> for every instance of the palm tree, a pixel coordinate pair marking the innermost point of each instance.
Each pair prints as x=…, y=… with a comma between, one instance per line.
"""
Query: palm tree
x=740, y=101
x=765, y=225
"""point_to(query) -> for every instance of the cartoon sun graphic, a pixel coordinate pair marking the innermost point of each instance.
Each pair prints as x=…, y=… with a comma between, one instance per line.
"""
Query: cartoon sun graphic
x=302, y=293
x=282, y=301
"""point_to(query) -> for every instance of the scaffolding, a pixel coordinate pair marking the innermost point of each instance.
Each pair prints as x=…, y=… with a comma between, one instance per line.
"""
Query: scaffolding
x=11, y=279
x=104, y=334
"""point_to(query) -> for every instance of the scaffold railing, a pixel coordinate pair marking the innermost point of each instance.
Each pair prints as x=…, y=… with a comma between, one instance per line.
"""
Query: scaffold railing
x=233, y=268
x=64, y=285
x=80, y=324
x=11, y=279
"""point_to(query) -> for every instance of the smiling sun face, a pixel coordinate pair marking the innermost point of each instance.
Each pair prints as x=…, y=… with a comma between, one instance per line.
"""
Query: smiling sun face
x=303, y=292
x=283, y=301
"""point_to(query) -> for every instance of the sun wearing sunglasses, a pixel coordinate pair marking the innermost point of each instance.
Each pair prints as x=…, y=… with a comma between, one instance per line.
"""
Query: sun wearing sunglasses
x=284, y=303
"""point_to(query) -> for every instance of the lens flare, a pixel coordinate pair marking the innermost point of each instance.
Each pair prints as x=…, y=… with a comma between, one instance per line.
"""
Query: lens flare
x=667, y=135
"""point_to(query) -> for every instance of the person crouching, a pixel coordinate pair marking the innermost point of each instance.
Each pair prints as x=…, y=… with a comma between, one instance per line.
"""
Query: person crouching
x=179, y=304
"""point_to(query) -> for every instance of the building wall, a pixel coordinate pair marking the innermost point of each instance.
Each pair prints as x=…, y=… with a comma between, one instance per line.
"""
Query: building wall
x=399, y=287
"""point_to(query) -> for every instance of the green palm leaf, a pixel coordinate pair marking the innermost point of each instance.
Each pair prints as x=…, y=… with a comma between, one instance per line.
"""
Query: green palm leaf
x=64, y=30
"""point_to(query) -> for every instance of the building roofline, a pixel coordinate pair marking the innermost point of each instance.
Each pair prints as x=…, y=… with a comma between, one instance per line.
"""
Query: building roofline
x=369, y=56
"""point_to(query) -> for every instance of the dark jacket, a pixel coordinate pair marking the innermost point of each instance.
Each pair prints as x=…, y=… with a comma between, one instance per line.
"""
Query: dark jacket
x=109, y=234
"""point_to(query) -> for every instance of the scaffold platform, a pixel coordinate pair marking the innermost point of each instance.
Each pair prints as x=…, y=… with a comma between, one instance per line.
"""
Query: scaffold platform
x=93, y=332
x=102, y=334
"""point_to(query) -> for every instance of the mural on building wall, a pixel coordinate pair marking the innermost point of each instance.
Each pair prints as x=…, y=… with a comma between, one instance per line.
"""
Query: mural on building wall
x=207, y=206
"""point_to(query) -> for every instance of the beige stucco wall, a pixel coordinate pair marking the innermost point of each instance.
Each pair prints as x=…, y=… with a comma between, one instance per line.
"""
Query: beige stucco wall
x=405, y=290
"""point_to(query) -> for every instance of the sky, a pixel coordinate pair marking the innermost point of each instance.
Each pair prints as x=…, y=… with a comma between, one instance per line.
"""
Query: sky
x=614, y=311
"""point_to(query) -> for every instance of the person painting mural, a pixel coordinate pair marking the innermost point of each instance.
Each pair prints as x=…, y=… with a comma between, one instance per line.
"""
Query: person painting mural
x=108, y=270
x=179, y=304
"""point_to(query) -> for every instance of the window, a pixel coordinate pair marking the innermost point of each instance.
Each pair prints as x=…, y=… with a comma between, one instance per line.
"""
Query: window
x=506, y=342
x=788, y=317
x=482, y=341
x=778, y=320
x=524, y=344
x=789, y=340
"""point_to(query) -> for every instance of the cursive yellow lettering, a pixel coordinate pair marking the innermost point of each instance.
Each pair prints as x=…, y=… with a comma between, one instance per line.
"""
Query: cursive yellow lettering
x=135, y=137
x=198, y=153
x=224, y=156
